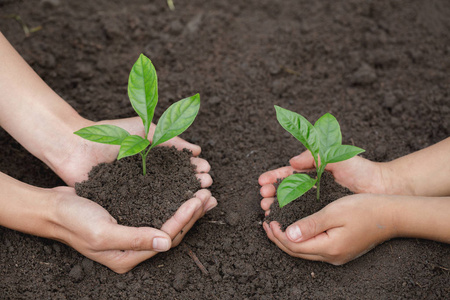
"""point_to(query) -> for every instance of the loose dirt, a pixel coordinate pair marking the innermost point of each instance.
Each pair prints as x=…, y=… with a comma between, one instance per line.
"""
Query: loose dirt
x=381, y=67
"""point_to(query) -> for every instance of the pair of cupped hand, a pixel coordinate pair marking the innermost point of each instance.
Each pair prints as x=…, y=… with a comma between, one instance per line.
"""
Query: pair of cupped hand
x=91, y=230
x=325, y=235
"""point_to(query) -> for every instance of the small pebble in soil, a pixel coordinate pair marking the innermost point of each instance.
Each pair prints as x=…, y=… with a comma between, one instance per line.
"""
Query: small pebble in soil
x=214, y=100
x=364, y=75
x=272, y=66
x=121, y=285
x=87, y=265
x=48, y=250
x=390, y=100
x=47, y=4
x=180, y=281
x=278, y=86
x=232, y=218
x=57, y=248
x=76, y=273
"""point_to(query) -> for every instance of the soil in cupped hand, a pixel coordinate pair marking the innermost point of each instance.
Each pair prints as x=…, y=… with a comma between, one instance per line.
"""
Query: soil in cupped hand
x=307, y=204
x=134, y=199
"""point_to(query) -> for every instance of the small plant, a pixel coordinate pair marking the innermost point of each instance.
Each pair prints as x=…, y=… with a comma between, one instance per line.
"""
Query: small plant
x=324, y=140
x=143, y=94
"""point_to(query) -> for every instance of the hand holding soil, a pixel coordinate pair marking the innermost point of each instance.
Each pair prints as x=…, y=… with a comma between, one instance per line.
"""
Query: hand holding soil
x=59, y=213
x=392, y=199
x=357, y=174
x=340, y=232
x=90, y=229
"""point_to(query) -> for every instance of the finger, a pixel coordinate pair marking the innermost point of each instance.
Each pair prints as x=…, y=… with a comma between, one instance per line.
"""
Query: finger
x=204, y=195
x=181, y=144
x=201, y=164
x=271, y=236
x=317, y=245
x=207, y=202
x=304, y=161
x=122, y=261
x=266, y=203
x=182, y=217
x=205, y=179
x=210, y=204
x=119, y=237
x=311, y=226
x=267, y=190
x=197, y=215
x=273, y=175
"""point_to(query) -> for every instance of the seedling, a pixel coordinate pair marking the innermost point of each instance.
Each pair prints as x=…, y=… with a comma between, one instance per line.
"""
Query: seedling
x=143, y=94
x=324, y=140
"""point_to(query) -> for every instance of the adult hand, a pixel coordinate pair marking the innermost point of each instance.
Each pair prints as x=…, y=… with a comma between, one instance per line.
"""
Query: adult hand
x=92, y=231
x=342, y=231
x=357, y=174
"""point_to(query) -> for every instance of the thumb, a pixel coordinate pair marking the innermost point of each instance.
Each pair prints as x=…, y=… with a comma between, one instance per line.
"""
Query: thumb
x=309, y=227
x=138, y=239
x=304, y=161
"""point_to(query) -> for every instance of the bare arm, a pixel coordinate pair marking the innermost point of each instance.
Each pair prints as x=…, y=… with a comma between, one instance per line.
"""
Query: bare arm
x=422, y=173
x=32, y=112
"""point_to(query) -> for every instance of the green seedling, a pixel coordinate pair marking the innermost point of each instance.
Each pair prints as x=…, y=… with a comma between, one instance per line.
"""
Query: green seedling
x=323, y=140
x=143, y=94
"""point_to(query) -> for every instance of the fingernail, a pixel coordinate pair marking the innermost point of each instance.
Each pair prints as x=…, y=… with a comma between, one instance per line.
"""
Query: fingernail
x=161, y=244
x=294, y=233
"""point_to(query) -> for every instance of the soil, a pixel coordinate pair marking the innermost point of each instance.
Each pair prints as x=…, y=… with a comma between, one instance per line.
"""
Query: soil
x=137, y=200
x=307, y=204
x=380, y=67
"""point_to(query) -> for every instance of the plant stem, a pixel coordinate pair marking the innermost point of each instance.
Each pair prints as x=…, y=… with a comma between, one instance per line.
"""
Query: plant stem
x=144, y=163
x=320, y=171
x=318, y=186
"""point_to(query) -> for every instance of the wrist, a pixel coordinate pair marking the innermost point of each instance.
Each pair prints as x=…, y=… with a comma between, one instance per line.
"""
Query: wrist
x=26, y=208
x=387, y=216
x=394, y=180
x=57, y=147
x=422, y=217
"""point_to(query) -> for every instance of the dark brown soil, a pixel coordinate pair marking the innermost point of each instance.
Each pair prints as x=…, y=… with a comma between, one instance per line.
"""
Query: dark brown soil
x=381, y=67
x=307, y=204
x=137, y=200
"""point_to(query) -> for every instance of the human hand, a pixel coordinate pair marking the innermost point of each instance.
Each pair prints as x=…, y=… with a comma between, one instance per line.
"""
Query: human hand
x=358, y=174
x=81, y=155
x=342, y=231
x=92, y=231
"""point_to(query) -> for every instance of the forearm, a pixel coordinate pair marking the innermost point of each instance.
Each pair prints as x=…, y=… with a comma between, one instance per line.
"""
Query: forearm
x=422, y=217
x=422, y=173
x=26, y=208
x=30, y=110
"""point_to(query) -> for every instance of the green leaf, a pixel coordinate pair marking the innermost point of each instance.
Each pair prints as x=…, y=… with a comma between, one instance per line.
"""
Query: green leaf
x=300, y=128
x=329, y=133
x=176, y=119
x=341, y=153
x=293, y=187
x=132, y=145
x=143, y=90
x=105, y=134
